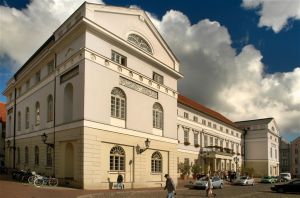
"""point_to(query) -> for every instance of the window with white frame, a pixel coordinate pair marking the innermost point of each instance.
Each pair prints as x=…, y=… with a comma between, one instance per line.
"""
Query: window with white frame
x=221, y=143
x=195, y=119
x=204, y=122
x=156, y=162
x=205, y=141
x=117, y=159
x=158, y=116
x=158, y=78
x=186, y=115
x=50, y=108
x=217, y=142
x=214, y=126
x=118, y=58
x=27, y=118
x=209, y=124
x=211, y=141
x=186, y=135
x=196, y=138
x=118, y=104
x=37, y=113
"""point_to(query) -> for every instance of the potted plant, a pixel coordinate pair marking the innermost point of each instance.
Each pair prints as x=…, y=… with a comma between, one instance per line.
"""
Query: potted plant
x=196, y=145
x=184, y=170
x=196, y=169
x=186, y=143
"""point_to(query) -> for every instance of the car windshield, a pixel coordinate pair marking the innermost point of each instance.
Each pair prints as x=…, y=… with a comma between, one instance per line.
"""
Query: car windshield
x=284, y=174
x=243, y=177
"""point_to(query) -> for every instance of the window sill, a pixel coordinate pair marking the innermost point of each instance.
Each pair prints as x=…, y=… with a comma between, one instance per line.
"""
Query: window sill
x=116, y=172
x=156, y=173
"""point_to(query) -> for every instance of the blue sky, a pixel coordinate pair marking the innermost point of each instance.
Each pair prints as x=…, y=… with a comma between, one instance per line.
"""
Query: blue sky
x=252, y=56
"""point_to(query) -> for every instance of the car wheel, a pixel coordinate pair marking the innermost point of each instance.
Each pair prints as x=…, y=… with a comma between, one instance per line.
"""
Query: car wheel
x=253, y=184
x=221, y=186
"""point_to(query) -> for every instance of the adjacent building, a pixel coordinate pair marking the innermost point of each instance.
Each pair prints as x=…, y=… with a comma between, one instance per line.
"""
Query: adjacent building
x=262, y=140
x=295, y=157
x=2, y=133
x=284, y=156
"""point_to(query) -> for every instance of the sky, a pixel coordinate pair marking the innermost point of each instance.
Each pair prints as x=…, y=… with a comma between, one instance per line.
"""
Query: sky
x=238, y=57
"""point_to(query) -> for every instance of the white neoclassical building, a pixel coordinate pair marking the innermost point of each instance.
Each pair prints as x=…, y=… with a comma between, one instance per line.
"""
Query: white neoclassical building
x=96, y=90
x=262, y=141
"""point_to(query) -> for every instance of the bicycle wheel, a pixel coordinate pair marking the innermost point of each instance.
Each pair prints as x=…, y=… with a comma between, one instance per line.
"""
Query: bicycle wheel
x=38, y=182
x=53, y=182
x=31, y=179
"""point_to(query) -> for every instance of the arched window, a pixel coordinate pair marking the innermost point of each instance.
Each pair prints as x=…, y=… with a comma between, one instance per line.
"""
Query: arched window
x=18, y=155
x=118, y=104
x=37, y=113
x=19, y=121
x=27, y=118
x=26, y=155
x=36, y=155
x=117, y=159
x=156, y=162
x=50, y=108
x=139, y=42
x=158, y=116
x=49, y=156
x=68, y=103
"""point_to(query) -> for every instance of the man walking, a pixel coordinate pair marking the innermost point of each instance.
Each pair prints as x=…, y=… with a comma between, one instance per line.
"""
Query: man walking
x=170, y=186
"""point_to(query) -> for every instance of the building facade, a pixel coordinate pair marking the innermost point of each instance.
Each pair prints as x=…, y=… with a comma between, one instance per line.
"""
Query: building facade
x=285, y=156
x=97, y=90
x=262, y=140
x=208, y=138
x=2, y=133
x=295, y=157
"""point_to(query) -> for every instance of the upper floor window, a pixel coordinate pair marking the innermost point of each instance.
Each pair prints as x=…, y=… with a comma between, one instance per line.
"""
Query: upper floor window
x=157, y=116
x=139, y=42
x=50, y=108
x=227, y=131
x=19, y=121
x=227, y=144
x=204, y=122
x=271, y=152
x=211, y=141
x=186, y=115
x=156, y=162
x=117, y=159
x=37, y=113
x=217, y=142
x=27, y=118
x=50, y=67
x=68, y=102
x=196, y=141
x=221, y=143
x=37, y=76
x=158, y=78
x=27, y=85
x=195, y=119
x=221, y=128
x=205, y=141
x=118, y=58
x=209, y=124
x=118, y=103
x=214, y=126
x=186, y=135
x=231, y=132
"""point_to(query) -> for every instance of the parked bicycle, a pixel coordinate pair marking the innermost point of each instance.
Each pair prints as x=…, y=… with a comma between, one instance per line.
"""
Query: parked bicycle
x=43, y=180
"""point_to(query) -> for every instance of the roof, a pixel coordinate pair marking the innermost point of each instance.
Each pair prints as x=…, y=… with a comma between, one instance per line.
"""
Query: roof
x=254, y=122
x=201, y=108
x=2, y=112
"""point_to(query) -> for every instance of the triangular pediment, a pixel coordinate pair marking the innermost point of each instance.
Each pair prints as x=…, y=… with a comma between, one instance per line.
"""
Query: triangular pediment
x=133, y=26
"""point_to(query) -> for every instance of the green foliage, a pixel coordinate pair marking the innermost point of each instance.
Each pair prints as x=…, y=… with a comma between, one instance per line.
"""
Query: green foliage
x=196, y=169
x=184, y=168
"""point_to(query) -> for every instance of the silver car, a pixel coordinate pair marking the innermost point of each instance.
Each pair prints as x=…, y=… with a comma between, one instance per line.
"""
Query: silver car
x=244, y=180
x=202, y=183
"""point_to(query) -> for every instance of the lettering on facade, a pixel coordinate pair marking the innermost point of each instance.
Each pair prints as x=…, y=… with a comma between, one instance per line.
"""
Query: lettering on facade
x=69, y=74
x=137, y=87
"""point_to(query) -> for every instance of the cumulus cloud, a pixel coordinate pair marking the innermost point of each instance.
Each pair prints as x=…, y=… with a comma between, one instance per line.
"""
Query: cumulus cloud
x=23, y=31
x=229, y=82
x=274, y=13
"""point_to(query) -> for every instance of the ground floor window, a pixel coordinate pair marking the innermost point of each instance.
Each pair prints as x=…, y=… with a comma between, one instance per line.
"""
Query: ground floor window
x=156, y=162
x=117, y=159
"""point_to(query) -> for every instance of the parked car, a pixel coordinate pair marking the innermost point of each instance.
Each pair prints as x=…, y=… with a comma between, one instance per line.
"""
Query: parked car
x=244, y=180
x=292, y=186
x=268, y=179
x=275, y=178
x=202, y=183
x=285, y=177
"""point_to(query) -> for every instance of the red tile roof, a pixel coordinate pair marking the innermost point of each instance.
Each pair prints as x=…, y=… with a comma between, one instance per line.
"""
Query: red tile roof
x=198, y=107
x=2, y=112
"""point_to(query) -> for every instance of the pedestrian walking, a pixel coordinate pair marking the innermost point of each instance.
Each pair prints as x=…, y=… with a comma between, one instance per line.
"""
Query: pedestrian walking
x=170, y=186
x=209, y=188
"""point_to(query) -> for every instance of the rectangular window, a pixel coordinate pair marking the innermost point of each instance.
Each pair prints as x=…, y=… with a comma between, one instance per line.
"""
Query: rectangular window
x=196, y=141
x=50, y=67
x=214, y=126
x=231, y=132
x=205, y=141
x=275, y=153
x=217, y=142
x=195, y=119
x=186, y=161
x=37, y=76
x=271, y=152
x=186, y=115
x=221, y=128
x=27, y=85
x=221, y=143
x=118, y=58
x=237, y=148
x=158, y=78
x=209, y=124
x=186, y=135
x=227, y=144
x=211, y=141
x=204, y=122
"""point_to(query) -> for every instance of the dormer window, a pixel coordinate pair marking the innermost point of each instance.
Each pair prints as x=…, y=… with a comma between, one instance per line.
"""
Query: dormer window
x=139, y=42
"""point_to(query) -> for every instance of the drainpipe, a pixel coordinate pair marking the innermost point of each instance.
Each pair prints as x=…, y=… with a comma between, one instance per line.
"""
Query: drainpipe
x=14, y=140
x=54, y=112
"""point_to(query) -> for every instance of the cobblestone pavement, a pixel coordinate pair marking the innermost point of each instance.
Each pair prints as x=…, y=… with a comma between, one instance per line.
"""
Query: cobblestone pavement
x=12, y=189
